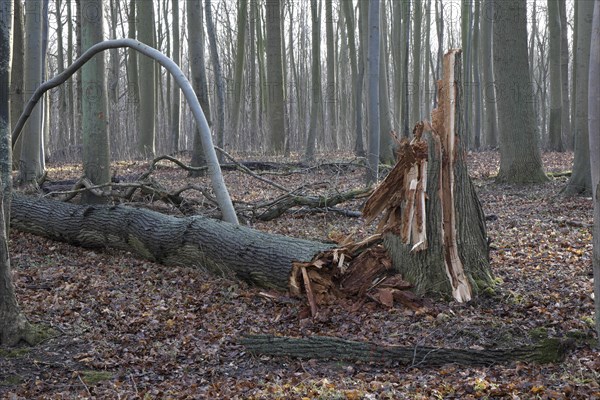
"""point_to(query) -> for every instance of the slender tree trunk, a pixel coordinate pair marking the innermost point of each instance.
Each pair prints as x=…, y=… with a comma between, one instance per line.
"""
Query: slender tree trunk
x=489, y=86
x=556, y=88
x=594, y=129
x=386, y=144
x=417, y=85
x=356, y=78
x=198, y=74
x=477, y=90
x=567, y=136
x=520, y=158
x=13, y=325
x=218, y=74
x=405, y=43
x=331, y=125
x=133, y=87
x=581, y=178
x=96, y=149
x=315, y=97
x=574, y=67
x=17, y=76
x=147, y=80
x=240, y=58
x=30, y=168
x=275, y=77
x=175, y=113
x=373, y=102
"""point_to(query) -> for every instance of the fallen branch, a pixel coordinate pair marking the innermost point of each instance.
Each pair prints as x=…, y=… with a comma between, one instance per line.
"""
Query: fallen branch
x=321, y=347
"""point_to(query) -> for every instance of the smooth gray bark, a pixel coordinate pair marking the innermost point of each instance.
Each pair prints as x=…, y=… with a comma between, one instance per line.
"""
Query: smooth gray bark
x=274, y=67
x=520, y=158
x=581, y=178
x=96, y=149
x=488, y=84
x=315, y=97
x=147, y=80
x=594, y=129
x=175, y=113
x=372, y=173
x=556, y=88
x=214, y=169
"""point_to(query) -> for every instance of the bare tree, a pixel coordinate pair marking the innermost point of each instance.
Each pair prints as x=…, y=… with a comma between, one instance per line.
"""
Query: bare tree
x=275, y=82
x=594, y=129
x=373, y=100
x=145, y=30
x=316, y=97
x=580, y=181
x=556, y=88
x=520, y=158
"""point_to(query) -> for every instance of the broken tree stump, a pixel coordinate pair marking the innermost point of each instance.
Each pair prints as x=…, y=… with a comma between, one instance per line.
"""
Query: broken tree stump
x=433, y=224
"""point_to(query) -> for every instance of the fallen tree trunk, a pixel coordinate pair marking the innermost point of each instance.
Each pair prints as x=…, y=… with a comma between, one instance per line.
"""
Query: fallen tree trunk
x=321, y=347
x=259, y=258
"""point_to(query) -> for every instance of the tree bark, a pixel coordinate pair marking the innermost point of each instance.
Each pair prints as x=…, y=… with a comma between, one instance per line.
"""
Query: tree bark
x=145, y=28
x=275, y=82
x=259, y=258
x=520, y=157
x=373, y=101
x=581, y=179
x=556, y=88
x=434, y=225
x=594, y=129
x=96, y=148
x=320, y=347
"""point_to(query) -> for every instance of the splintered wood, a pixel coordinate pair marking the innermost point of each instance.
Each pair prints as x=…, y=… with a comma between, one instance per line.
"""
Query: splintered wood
x=400, y=198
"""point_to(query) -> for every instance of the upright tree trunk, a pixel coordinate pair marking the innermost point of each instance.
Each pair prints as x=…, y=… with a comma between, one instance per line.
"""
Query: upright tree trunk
x=315, y=97
x=147, y=80
x=567, y=135
x=13, y=325
x=386, y=143
x=331, y=125
x=477, y=90
x=581, y=178
x=356, y=77
x=133, y=87
x=96, y=150
x=275, y=77
x=240, y=58
x=405, y=44
x=30, y=168
x=373, y=101
x=198, y=74
x=489, y=86
x=594, y=129
x=17, y=100
x=175, y=113
x=417, y=85
x=520, y=158
x=218, y=74
x=556, y=88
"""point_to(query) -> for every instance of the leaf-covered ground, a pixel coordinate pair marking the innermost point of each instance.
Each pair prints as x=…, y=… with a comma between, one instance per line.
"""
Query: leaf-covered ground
x=133, y=329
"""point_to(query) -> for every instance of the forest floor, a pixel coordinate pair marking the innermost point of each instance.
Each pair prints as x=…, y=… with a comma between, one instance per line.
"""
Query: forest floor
x=130, y=328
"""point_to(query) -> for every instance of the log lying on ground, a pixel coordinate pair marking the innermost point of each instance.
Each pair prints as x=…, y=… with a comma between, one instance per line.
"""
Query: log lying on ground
x=259, y=258
x=320, y=347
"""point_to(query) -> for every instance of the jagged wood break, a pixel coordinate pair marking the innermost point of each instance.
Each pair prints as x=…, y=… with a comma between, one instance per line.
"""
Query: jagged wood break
x=432, y=222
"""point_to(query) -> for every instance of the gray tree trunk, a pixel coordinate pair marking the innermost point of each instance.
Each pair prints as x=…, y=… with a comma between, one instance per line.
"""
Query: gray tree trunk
x=133, y=87
x=30, y=167
x=417, y=85
x=18, y=69
x=556, y=88
x=520, y=158
x=489, y=87
x=218, y=74
x=330, y=97
x=96, y=149
x=13, y=325
x=275, y=77
x=315, y=97
x=259, y=258
x=197, y=74
x=372, y=173
x=567, y=135
x=175, y=113
x=581, y=178
x=594, y=129
x=147, y=80
x=386, y=143
x=240, y=57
